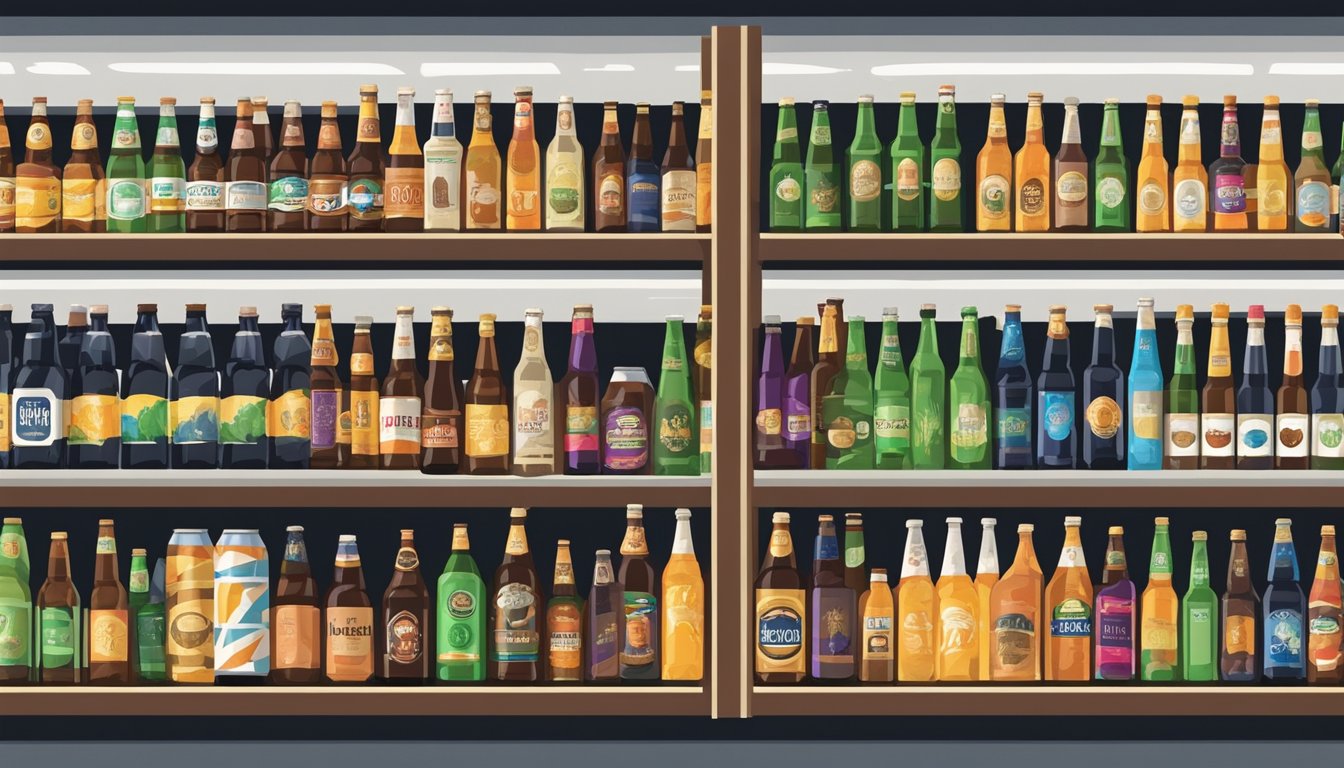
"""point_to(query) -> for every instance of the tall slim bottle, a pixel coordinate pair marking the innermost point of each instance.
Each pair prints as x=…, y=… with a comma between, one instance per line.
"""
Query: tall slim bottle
x=908, y=168
x=677, y=451
x=769, y=450
x=83, y=188
x=642, y=193
x=516, y=609
x=461, y=616
x=798, y=428
x=829, y=365
x=833, y=609
x=564, y=621
x=1292, y=428
x=1056, y=436
x=287, y=195
x=917, y=614
x=1031, y=170
x=581, y=398
x=1015, y=616
x=441, y=430
x=326, y=394
x=443, y=168
x=780, y=610
x=564, y=173
x=677, y=198
x=1325, y=613
x=17, y=655
x=1273, y=179
x=296, y=617
x=993, y=174
x=1199, y=619
x=1116, y=613
x=193, y=391
x=1227, y=175
x=261, y=125
x=1240, y=613
x=822, y=207
x=1013, y=397
x=144, y=389
x=1255, y=401
x=205, y=178
x=1285, y=611
x=405, y=617
x=986, y=576
x=856, y=567
x=109, y=633
x=329, y=179
x=609, y=198
x=127, y=188
x=968, y=411
x=523, y=180
x=1153, y=214
x=243, y=397
x=786, y=172
x=1218, y=415
x=1103, y=391
x=167, y=175
x=1112, y=208
x=850, y=409
x=863, y=168
x=878, y=652
x=367, y=200
x=945, y=206
x=94, y=440
x=1160, y=610
x=1189, y=179
x=640, y=651
x=683, y=606
x=891, y=399
x=1311, y=182
x=1327, y=397
x=1145, y=394
x=404, y=173
x=401, y=403
x=246, y=176
x=704, y=169
x=533, y=405
x=1073, y=185
x=1182, y=434
x=1068, y=599
x=605, y=622
x=486, y=416
x=60, y=630
x=958, y=633
x=928, y=396
x=37, y=193
x=483, y=170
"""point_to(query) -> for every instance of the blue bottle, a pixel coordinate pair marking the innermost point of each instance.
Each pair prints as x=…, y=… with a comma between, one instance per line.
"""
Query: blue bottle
x=1012, y=398
x=1103, y=391
x=1285, y=639
x=1255, y=401
x=37, y=400
x=1056, y=436
x=644, y=206
x=1145, y=394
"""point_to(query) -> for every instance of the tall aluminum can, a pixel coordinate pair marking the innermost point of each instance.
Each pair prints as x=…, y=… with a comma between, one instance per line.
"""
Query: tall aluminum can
x=190, y=591
x=242, y=605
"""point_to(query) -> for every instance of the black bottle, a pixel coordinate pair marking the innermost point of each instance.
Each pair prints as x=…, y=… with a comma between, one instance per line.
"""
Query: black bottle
x=194, y=391
x=95, y=406
x=144, y=392
x=288, y=425
x=244, y=392
x=38, y=399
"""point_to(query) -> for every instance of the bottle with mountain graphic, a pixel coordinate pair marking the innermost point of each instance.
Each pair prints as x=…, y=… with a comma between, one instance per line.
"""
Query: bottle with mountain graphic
x=1285, y=608
x=288, y=426
x=144, y=387
x=243, y=395
x=194, y=410
x=94, y=441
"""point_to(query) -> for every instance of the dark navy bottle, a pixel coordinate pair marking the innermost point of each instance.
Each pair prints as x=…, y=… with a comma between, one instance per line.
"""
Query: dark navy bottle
x=1013, y=398
x=244, y=393
x=144, y=390
x=68, y=348
x=1327, y=397
x=1255, y=401
x=9, y=363
x=1285, y=608
x=1056, y=436
x=1104, y=391
x=194, y=391
x=644, y=200
x=95, y=405
x=38, y=399
x=288, y=429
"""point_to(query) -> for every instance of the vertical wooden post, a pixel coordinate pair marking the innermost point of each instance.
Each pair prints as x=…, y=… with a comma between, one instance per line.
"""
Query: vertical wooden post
x=706, y=84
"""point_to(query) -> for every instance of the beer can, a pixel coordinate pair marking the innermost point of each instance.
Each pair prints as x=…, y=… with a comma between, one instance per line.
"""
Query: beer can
x=242, y=605
x=190, y=592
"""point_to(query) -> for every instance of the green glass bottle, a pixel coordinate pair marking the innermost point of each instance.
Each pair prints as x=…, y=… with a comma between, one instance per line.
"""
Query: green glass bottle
x=891, y=399
x=167, y=175
x=968, y=410
x=945, y=214
x=1181, y=434
x=863, y=161
x=16, y=605
x=127, y=193
x=850, y=413
x=907, y=170
x=1199, y=619
x=148, y=658
x=1112, y=175
x=822, y=190
x=676, y=451
x=462, y=611
x=928, y=396
x=1312, y=211
x=786, y=173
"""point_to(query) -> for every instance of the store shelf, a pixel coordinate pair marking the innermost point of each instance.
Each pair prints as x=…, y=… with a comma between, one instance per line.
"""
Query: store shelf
x=371, y=701
x=1005, y=489
x=1039, y=700
x=314, y=488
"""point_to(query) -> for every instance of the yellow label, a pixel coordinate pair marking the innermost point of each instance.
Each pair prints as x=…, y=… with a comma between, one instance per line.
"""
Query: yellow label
x=487, y=430
x=84, y=137
x=404, y=193
x=144, y=419
x=364, y=423
x=1239, y=635
x=107, y=636
x=4, y=421
x=361, y=364
x=94, y=419
x=704, y=185
x=194, y=420
x=288, y=415
x=37, y=200
x=441, y=339
x=242, y=419
x=39, y=136
x=81, y=199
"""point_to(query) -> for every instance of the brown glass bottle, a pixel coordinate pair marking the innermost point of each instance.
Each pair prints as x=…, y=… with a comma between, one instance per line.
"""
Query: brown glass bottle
x=401, y=404
x=261, y=126
x=366, y=167
x=38, y=178
x=486, y=421
x=6, y=175
x=828, y=366
x=58, y=610
x=515, y=646
x=639, y=656
x=348, y=619
x=564, y=621
x=609, y=175
x=781, y=606
x=1292, y=427
x=289, y=175
x=205, y=177
x=441, y=418
x=1071, y=175
x=404, y=196
x=245, y=173
x=678, y=189
x=1241, y=612
x=605, y=623
x=364, y=391
x=406, y=616
x=579, y=398
x=83, y=195
x=296, y=618
x=1218, y=402
x=325, y=386
x=328, y=177
x=627, y=411
x=109, y=635
x=797, y=380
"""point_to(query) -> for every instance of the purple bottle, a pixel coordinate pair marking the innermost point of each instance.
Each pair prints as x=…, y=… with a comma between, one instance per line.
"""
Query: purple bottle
x=833, y=608
x=1116, y=613
x=582, y=398
x=771, y=450
x=798, y=395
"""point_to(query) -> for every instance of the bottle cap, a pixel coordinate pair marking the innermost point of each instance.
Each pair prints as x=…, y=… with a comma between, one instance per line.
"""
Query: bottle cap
x=296, y=309
x=879, y=575
x=1272, y=102
x=1161, y=521
x=441, y=310
x=947, y=90
x=1190, y=101
x=103, y=522
x=1058, y=309
x=780, y=517
x=6, y=307
x=1026, y=528
x=675, y=318
x=965, y=312
x=825, y=518
x=604, y=553
x=1073, y=520
x=561, y=543
x=363, y=320
x=683, y=514
x=1035, y=96
x=1330, y=312
x=1115, y=530
x=787, y=101
x=1103, y=309
x=1145, y=302
x=1112, y=102
x=1010, y=308
x=1230, y=100
x=19, y=521
x=868, y=99
x=890, y=312
x=853, y=517
x=772, y=319
x=407, y=533
x=139, y=552
x=1292, y=314
x=907, y=97
x=1313, y=103
x=346, y=539
x=914, y=523
x=146, y=308
x=1070, y=101
x=634, y=511
x=519, y=513
x=294, y=529
x=997, y=99
x=96, y=309
x=167, y=101
x=1256, y=312
x=59, y=535
x=1220, y=311
x=988, y=522
x=1327, y=530
x=1185, y=312
x=1199, y=536
x=820, y=105
x=928, y=307
x=807, y=321
x=1154, y=100
x=1238, y=534
x=953, y=521
x=1283, y=521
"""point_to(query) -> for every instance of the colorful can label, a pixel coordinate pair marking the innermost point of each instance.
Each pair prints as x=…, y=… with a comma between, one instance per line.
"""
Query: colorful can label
x=641, y=630
x=1071, y=618
x=365, y=198
x=242, y=605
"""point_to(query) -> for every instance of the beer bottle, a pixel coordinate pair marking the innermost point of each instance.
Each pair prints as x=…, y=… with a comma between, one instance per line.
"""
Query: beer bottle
x=288, y=430
x=167, y=176
x=261, y=125
x=1255, y=403
x=958, y=625
x=822, y=207
x=365, y=197
x=907, y=163
x=781, y=611
x=406, y=616
x=348, y=616
x=945, y=209
x=770, y=451
x=1335, y=173
x=833, y=608
x=1327, y=397
x=891, y=399
x=1116, y=611
x=606, y=623
x=993, y=174
x=928, y=395
x=1031, y=169
x=243, y=396
x=193, y=413
x=798, y=430
x=639, y=652
x=142, y=654
x=1013, y=397
x=144, y=387
x=108, y=649
x=515, y=652
x=1014, y=616
x=59, y=614
x=642, y=193
x=564, y=622
x=8, y=367
x=704, y=168
x=324, y=391
x=245, y=192
x=786, y=173
x=1153, y=214
x=850, y=409
x=676, y=451
x=1218, y=406
x=863, y=191
x=38, y=178
x=829, y=365
x=968, y=401
x=461, y=621
x=1057, y=440
x=1240, y=611
x=1323, y=659
x=17, y=658
x=1199, y=622
x=364, y=390
x=1068, y=601
x=402, y=400
x=296, y=619
x=443, y=168
x=702, y=360
x=1182, y=435
x=288, y=191
x=405, y=184
x=151, y=628
x=1071, y=174
x=609, y=175
x=484, y=192
x=1228, y=174
x=533, y=412
x=683, y=619
x=6, y=175
x=486, y=418
x=204, y=192
x=1112, y=175
x=1190, y=180
x=441, y=415
x=986, y=576
x=564, y=173
x=524, y=173
x=83, y=190
x=38, y=398
x=579, y=389
x=1285, y=611
x=916, y=611
x=1291, y=427
x=677, y=204
x=1158, y=657
x=67, y=349
x=1103, y=391
x=1312, y=181
x=94, y=440
x=879, y=645
x=1145, y=393
x=329, y=178
x=1273, y=181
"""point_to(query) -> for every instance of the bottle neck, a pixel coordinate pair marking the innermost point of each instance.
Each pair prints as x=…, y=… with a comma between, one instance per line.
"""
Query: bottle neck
x=1035, y=126
x=1220, y=351
x=582, y=345
x=989, y=552
x=564, y=121
x=1072, y=132
x=1110, y=127
x=970, y=341
x=1199, y=565
x=1103, y=340
x=1271, y=136
x=954, y=557
x=1292, y=351
x=1230, y=142
x=1329, y=361
x=682, y=543
x=403, y=341
x=522, y=121
x=443, y=126
x=368, y=130
x=1190, y=149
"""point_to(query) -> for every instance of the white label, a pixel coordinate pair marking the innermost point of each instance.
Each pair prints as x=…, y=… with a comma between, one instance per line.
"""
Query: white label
x=1291, y=434
x=37, y=418
x=1183, y=436
x=1218, y=433
x=127, y=199
x=205, y=196
x=443, y=190
x=532, y=426
x=399, y=420
x=1072, y=557
x=245, y=195
x=1255, y=434
x=1327, y=435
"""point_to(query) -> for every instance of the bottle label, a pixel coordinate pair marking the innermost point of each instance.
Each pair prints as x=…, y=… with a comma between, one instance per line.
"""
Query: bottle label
x=405, y=193
x=676, y=426
x=204, y=196
x=566, y=641
x=487, y=430
x=4, y=421
x=994, y=197
x=780, y=631
x=287, y=415
x=16, y=632
x=1239, y=635
x=1283, y=639
x=328, y=196
x=1071, y=618
x=1110, y=191
x=1218, y=429
x=1014, y=642
x=532, y=427
x=38, y=200
x=242, y=419
x=1153, y=197
x=679, y=201
x=1292, y=435
x=1182, y=434
x=1115, y=631
x=1313, y=204
x=245, y=195
x=443, y=190
x=1324, y=645
x=1014, y=428
x=107, y=636
x=877, y=638
x=297, y=631
x=483, y=195
x=706, y=427
x=1104, y=417
x=326, y=412
x=865, y=179
x=94, y=419
x=625, y=439
x=1159, y=634
x=288, y=194
x=1057, y=414
x=515, y=633
x=563, y=194
x=1071, y=189
x=83, y=199
x=127, y=199
x=769, y=421
x=833, y=627
x=1253, y=434
x=167, y=194
x=610, y=195
x=8, y=192
x=641, y=629
x=1272, y=196
x=1190, y=201
x=1200, y=628
x=144, y=419
x=59, y=637
x=1229, y=193
x=405, y=638
x=194, y=420
x=1327, y=433
x=349, y=643
x=798, y=416
x=1146, y=415
x=892, y=425
x=364, y=423
x=644, y=198
x=946, y=178
x=365, y=199
x=399, y=425
x=970, y=433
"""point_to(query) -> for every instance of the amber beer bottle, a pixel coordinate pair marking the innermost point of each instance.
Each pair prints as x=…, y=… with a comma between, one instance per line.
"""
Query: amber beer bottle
x=38, y=178
x=405, y=184
x=487, y=409
x=6, y=175
x=441, y=416
x=109, y=636
x=483, y=191
x=515, y=654
x=781, y=611
x=1153, y=213
x=1292, y=426
x=524, y=167
x=605, y=620
x=1218, y=409
x=400, y=406
x=348, y=616
x=364, y=391
x=325, y=384
x=639, y=654
x=679, y=180
x=245, y=180
x=59, y=613
x=564, y=621
x=1031, y=168
x=1240, y=612
x=205, y=177
x=704, y=167
x=296, y=619
x=288, y=195
x=328, y=177
x=365, y=191
x=609, y=175
x=83, y=192
x=261, y=125
x=993, y=174
x=406, y=616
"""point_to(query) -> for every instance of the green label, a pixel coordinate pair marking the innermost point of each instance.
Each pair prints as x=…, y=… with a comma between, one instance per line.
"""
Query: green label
x=854, y=556
x=60, y=637
x=16, y=627
x=892, y=425
x=564, y=199
x=288, y=194
x=149, y=638
x=970, y=433
x=144, y=419
x=1201, y=635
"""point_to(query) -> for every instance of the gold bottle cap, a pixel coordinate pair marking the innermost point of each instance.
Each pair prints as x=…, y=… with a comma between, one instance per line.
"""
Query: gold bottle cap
x=16, y=521
x=997, y=99
x=807, y=321
x=1161, y=521
x=853, y=518
x=1313, y=103
x=1103, y=309
x=1190, y=101
x=407, y=533
x=167, y=101
x=1185, y=312
x=59, y=535
x=518, y=513
x=368, y=89
x=1154, y=100
x=1238, y=534
x=405, y=310
x=211, y=100
x=1026, y=528
x=1115, y=530
x=1230, y=100
x=787, y=101
x=1199, y=536
x=1330, y=312
x=104, y=521
x=139, y=552
x=322, y=309
x=825, y=519
x=907, y=97
x=1220, y=311
x=1272, y=102
x=1012, y=307
x=1293, y=314
x=1327, y=530
x=1035, y=97
x=1058, y=309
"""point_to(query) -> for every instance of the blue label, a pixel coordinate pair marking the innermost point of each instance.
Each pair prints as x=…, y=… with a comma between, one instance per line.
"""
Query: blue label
x=1057, y=414
x=1071, y=627
x=645, y=202
x=34, y=415
x=1012, y=350
x=827, y=548
x=1014, y=428
x=1014, y=622
x=1313, y=203
x=1283, y=639
x=780, y=633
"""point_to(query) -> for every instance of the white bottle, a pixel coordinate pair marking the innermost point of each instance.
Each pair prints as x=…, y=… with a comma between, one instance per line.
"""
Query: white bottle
x=564, y=173
x=533, y=407
x=443, y=168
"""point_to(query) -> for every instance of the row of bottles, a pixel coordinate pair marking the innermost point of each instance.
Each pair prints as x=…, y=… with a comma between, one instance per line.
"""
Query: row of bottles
x=832, y=412
x=1016, y=627
x=262, y=187
x=208, y=612
x=1032, y=192
x=64, y=404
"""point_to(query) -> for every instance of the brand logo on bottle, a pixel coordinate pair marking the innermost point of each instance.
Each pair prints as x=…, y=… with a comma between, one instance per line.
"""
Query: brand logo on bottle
x=1111, y=191
x=1103, y=417
x=946, y=177
x=37, y=412
x=789, y=190
x=780, y=633
x=1071, y=189
x=994, y=197
x=1032, y=197
x=1152, y=198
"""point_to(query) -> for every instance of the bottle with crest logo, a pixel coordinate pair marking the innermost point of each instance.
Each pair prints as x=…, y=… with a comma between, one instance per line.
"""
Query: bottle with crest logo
x=1103, y=391
x=786, y=173
x=127, y=190
x=365, y=196
x=642, y=194
x=677, y=202
x=1189, y=179
x=1112, y=179
x=461, y=614
x=38, y=178
x=945, y=206
x=1031, y=169
x=1014, y=398
x=863, y=168
x=1182, y=435
x=676, y=451
x=288, y=191
x=908, y=198
x=329, y=178
x=1072, y=170
x=484, y=170
x=364, y=389
x=609, y=193
x=347, y=614
x=406, y=617
x=564, y=173
x=823, y=204
x=1227, y=175
x=1285, y=612
x=1153, y=213
x=1327, y=397
x=1311, y=210
x=781, y=611
x=404, y=175
x=1255, y=402
x=891, y=399
x=517, y=609
x=1056, y=433
x=968, y=410
x=640, y=651
x=994, y=173
x=441, y=417
x=1218, y=407
x=486, y=415
x=167, y=176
